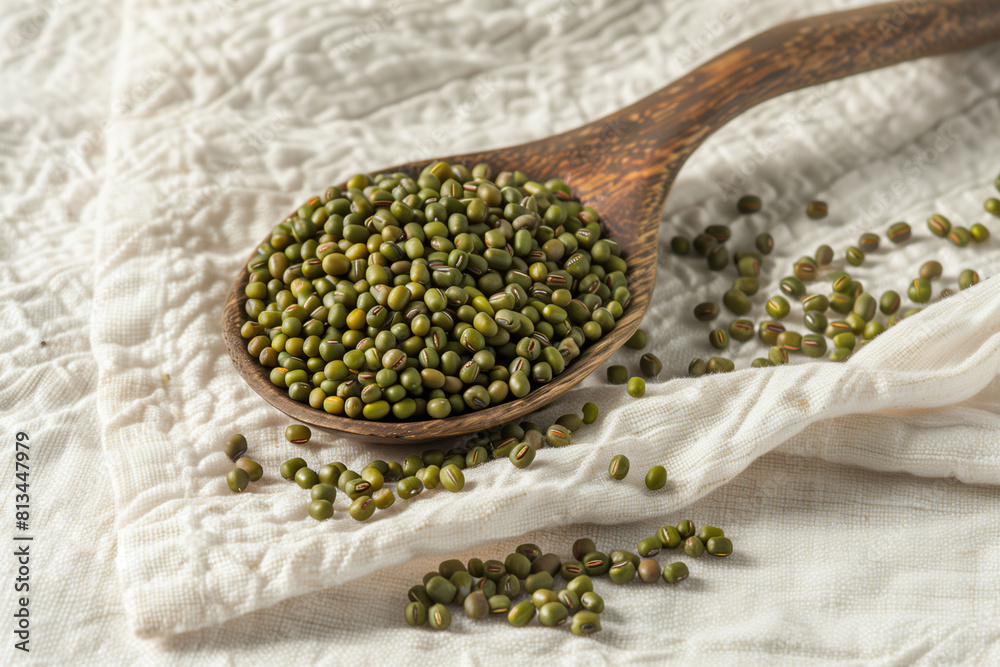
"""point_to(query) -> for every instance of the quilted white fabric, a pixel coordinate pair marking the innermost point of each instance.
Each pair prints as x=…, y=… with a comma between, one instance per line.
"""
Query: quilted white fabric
x=146, y=146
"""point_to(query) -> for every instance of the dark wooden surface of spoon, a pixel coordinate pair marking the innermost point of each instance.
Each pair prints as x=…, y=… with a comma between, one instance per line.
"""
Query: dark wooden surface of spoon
x=625, y=164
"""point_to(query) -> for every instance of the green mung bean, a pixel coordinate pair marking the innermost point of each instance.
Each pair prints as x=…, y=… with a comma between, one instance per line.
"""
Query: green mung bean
x=521, y=613
x=637, y=341
x=737, y=302
x=321, y=510
x=931, y=270
x=522, y=455
x=777, y=355
x=476, y=606
x=290, y=467
x=252, y=468
x=675, y=572
x=722, y=233
x=298, y=434
x=824, y=255
x=813, y=345
x=704, y=243
x=648, y=570
x=793, y=287
x=719, y=365
x=817, y=210
x=719, y=546
x=865, y=307
x=899, y=232
x=697, y=367
x=777, y=307
x=582, y=547
x=920, y=290
x=748, y=267
x=438, y=617
x=452, y=478
x=967, y=278
x=747, y=285
x=236, y=447
x=706, y=312
x=868, y=242
x=694, y=547
x=649, y=546
x=617, y=374
x=680, y=245
x=718, y=338
x=815, y=302
x=749, y=204
x=585, y=623
x=992, y=206
x=237, y=479
x=979, y=233
x=855, y=256
x=637, y=387
x=741, y=330
x=306, y=478
x=590, y=409
x=960, y=236
x=790, y=341
x=592, y=602
x=815, y=322
x=939, y=225
x=717, y=258
x=805, y=271
x=839, y=354
x=570, y=421
x=873, y=329
x=656, y=478
x=768, y=332
x=622, y=573
x=686, y=528
x=764, y=243
x=619, y=467
x=580, y=585
x=650, y=365
x=889, y=303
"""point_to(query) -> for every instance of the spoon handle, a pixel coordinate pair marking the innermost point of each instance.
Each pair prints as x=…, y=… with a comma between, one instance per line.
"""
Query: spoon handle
x=661, y=131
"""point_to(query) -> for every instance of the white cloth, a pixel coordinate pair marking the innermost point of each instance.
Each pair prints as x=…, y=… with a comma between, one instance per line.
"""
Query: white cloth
x=147, y=146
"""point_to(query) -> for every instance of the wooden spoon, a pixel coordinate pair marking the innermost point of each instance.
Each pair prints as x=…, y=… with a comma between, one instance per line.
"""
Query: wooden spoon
x=625, y=164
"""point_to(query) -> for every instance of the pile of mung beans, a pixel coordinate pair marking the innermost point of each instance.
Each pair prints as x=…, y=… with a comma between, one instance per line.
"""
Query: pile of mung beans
x=245, y=469
x=422, y=298
x=367, y=490
x=492, y=587
x=839, y=322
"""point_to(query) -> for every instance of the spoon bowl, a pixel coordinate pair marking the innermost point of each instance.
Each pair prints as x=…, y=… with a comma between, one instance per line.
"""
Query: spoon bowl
x=624, y=165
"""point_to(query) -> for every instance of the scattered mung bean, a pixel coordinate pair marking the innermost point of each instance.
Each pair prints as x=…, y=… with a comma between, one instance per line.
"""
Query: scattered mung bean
x=675, y=572
x=619, y=467
x=899, y=232
x=237, y=480
x=236, y=447
x=252, y=468
x=720, y=365
x=636, y=387
x=748, y=204
x=939, y=225
x=656, y=478
x=868, y=242
x=967, y=278
x=817, y=210
x=617, y=374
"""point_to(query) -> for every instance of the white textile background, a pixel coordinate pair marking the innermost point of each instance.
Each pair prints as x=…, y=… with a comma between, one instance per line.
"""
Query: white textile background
x=146, y=146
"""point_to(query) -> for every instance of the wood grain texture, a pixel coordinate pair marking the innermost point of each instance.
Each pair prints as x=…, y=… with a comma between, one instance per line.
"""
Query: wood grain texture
x=625, y=164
